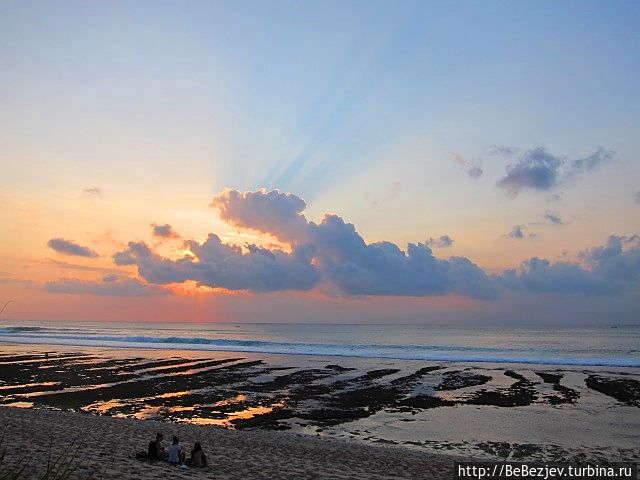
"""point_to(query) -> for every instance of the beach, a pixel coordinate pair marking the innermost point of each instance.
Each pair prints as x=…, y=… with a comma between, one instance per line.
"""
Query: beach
x=280, y=416
x=111, y=443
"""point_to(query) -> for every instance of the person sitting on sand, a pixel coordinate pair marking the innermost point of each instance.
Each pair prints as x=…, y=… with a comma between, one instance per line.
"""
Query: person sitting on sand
x=198, y=459
x=156, y=449
x=176, y=454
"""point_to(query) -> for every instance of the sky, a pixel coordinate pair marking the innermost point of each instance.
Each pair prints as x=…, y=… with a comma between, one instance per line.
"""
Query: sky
x=339, y=162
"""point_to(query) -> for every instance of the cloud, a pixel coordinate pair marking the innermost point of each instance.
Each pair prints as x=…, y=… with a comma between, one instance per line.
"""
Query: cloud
x=69, y=247
x=636, y=197
x=92, y=192
x=332, y=256
x=9, y=280
x=74, y=266
x=267, y=212
x=110, y=286
x=519, y=232
x=331, y=253
x=553, y=218
x=472, y=168
x=343, y=260
x=215, y=264
x=612, y=269
x=503, y=150
x=357, y=268
x=539, y=275
x=540, y=170
x=164, y=231
x=612, y=262
x=443, y=242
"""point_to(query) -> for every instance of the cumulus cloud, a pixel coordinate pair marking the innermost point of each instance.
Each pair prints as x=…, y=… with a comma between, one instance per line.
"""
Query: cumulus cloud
x=267, y=212
x=472, y=168
x=112, y=285
x=539, y=275
x=613, y=262
x=216, y=264
x=345, y=261
x=333, y=256
x=92, y=192
x=519, y=232
x=443, y=242
x=69, y=247
x=331, y=253
x=164, y=231
x=553, y=218
x=539, y=170
x=611, y=268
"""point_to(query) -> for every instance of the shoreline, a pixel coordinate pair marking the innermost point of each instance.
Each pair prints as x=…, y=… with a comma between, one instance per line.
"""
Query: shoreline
x=184, y=349
x=231, y=454
x=470, y=411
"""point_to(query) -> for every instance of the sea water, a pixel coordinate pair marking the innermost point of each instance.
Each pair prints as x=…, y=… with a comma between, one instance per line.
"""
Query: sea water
x=588, y=346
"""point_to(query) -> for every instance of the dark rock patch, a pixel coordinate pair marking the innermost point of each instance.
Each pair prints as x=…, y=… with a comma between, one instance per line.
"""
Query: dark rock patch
x=625, y=390
x=456, y=380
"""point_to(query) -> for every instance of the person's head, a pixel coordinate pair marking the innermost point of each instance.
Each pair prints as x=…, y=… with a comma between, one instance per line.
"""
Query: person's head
x=197, y=447
x=159, y=437
x=176, y=440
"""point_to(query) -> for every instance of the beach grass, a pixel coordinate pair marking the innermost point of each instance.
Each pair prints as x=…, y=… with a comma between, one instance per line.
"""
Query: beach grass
x=59, y=467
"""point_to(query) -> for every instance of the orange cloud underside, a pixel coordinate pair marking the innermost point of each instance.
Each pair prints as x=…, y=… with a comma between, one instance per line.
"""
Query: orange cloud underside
x=191, y=288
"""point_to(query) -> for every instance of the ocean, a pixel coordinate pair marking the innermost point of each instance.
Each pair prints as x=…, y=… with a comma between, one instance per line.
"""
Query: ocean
x=592, y=346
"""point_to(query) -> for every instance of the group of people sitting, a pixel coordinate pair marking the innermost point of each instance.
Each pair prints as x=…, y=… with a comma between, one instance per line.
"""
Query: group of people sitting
x=175, y=454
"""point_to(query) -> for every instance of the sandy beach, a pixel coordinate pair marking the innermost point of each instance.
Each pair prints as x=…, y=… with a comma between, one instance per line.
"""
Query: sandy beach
x=112, y=443
x=421, y=410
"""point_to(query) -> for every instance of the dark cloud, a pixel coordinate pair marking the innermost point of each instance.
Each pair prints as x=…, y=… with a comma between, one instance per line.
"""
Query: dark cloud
x=164, y=231
x=539, y=275
x=357, y=268
x=331, y=252
x=553, y=218
x=540, y=170
x=92, y=192
x=332, y=255
x=343, y=258
x=111, y=286
x=537, y=169
x=612, y=262
x=443, y=242
x=215, y=264
x=519, y=232
x=636, y=197
x=612, y=269
x=472, y=168
x=69, y=247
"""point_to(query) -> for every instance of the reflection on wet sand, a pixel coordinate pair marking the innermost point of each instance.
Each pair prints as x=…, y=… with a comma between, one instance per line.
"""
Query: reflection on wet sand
x=230, y=401
x=28, y=385
x=418, y=405
x=230, y=418
x=103, y=407
x=19, y=404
